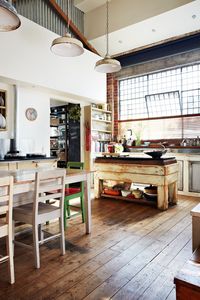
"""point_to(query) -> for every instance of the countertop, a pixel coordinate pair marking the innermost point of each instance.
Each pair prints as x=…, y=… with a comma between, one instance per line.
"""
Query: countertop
x=136, y=160
x=27, y=159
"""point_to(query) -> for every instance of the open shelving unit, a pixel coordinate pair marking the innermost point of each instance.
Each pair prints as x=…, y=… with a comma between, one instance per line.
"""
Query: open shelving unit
x=100, y=125
x=58, y=133
x=135, y=200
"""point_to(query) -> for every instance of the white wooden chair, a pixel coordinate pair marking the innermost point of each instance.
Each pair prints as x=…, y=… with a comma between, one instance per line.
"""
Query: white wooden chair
x=39, y=212
x=6, y=207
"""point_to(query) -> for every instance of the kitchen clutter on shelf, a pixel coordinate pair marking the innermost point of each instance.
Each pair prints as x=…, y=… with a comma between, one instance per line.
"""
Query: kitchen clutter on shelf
x=129, y=191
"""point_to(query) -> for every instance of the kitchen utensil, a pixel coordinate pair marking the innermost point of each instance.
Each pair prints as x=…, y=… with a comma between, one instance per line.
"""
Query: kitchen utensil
x=125, y=193
x=151, y=190
x=111, y=192
x=2, y=121
x=137, y=193
x=156, y=154
x=1, y=101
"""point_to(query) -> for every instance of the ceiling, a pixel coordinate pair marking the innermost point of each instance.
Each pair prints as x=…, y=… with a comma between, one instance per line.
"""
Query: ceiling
x=138, y=23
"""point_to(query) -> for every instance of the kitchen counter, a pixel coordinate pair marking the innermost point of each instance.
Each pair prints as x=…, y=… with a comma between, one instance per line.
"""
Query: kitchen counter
x=136, y=160
x=27, y=163
x=162, y=173
x=26, y=159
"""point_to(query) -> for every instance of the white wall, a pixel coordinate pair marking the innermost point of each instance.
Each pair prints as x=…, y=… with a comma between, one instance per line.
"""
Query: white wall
x=33, y=136
x=26, y=57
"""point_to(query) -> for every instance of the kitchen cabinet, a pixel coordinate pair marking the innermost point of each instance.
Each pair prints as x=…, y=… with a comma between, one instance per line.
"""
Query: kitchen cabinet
x=27, y=164
x=98, y=124
x=194, y=175
x=180, y=174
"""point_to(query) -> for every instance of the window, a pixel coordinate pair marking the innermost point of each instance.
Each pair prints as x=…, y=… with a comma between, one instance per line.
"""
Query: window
x=162, y=94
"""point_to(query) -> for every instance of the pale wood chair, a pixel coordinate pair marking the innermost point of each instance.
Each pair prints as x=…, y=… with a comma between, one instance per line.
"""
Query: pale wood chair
x=39, y=212
x=6, y=208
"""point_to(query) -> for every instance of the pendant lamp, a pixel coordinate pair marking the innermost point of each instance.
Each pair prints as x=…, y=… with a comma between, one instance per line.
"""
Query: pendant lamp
x=9, y=19
x=107, y=64
x=66, y=45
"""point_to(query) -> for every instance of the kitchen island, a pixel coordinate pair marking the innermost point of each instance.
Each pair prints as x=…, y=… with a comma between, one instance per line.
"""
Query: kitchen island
x=162, y=173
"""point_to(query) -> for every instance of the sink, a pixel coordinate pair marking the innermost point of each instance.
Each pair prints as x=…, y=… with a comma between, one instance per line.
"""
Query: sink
x=186, y=150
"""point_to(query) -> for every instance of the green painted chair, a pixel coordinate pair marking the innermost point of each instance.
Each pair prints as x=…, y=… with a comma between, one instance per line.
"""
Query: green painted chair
x=72, y=193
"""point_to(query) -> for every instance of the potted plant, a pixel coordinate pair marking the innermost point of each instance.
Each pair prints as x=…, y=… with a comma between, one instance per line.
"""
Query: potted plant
x=74, y=112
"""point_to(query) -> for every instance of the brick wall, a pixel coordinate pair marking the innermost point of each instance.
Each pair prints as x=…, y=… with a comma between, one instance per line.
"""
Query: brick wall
x=112, y=100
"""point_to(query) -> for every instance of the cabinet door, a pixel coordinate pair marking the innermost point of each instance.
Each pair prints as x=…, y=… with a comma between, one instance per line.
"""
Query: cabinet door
x=194, y=176
x=26, y=165
x=180, y=175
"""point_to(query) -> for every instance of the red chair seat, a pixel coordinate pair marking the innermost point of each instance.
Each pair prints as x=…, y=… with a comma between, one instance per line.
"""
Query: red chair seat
x=71, y=191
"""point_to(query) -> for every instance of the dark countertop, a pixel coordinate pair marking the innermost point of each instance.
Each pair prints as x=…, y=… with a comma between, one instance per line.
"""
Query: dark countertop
x=26, y=159
x=137, y=160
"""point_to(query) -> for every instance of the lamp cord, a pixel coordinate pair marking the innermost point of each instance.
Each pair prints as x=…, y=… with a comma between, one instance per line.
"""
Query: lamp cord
x=68, y=21
x=107, y=30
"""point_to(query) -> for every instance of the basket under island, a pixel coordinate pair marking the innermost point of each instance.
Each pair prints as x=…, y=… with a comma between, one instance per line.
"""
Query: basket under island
x=162, y=173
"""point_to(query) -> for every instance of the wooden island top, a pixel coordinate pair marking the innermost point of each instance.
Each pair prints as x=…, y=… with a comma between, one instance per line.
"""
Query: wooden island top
x=136, y=160
x=162, y=173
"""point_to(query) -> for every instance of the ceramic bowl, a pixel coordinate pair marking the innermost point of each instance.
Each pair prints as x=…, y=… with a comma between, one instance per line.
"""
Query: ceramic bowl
x=1, y=101
x=156, y=154
x=125, y=193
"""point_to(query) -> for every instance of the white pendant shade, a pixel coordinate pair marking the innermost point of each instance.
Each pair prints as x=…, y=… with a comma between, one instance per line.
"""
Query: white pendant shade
x=107, y=65
x=67, y=46
x=9, y=19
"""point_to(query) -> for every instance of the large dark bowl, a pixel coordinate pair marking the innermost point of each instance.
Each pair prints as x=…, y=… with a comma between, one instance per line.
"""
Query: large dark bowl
x=156, y=154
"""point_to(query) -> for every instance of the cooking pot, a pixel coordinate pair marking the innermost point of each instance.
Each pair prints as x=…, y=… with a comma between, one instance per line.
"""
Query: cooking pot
x=137, y=193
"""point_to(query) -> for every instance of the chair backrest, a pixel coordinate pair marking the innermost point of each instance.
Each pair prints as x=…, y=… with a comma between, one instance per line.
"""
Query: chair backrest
x=6, y=204
x=49, y=185
x=75, y=165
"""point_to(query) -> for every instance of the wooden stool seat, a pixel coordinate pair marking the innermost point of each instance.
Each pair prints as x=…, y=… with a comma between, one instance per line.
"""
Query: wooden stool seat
x=195, y=213
x=188, y=279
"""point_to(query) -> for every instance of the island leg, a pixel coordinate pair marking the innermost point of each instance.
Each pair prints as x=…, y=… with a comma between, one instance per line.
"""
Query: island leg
x=162, y=202
x=98, y=186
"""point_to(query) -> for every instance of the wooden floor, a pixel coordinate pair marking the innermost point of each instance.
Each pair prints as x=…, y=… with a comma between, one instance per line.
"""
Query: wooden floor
x=133, y=253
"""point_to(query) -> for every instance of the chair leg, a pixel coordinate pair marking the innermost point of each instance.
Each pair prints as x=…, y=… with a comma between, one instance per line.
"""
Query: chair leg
x=68, y=209
x=9, y=246
x=36, y=246
x=82, y=209
x=40, y=233
x=62, y=237
x=64, y=215
x=13, y=237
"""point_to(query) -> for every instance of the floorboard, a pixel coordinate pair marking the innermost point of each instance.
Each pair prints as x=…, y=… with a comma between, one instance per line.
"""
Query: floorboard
x=134, y=252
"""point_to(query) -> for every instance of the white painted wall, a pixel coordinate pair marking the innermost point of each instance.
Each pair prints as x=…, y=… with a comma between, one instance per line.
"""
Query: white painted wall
x=25, y=56
x=33, y=136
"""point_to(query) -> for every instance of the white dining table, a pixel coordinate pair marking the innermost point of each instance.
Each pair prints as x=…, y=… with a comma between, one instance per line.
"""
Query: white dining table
x=24, y=181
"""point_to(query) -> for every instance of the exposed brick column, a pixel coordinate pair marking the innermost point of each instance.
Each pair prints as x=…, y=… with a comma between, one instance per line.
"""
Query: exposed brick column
x=112, y=100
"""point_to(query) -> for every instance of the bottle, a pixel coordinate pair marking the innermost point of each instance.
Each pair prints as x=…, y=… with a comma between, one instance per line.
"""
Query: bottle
x=198, y=141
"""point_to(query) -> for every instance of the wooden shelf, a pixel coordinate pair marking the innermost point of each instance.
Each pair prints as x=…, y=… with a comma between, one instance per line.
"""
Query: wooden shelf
x=101, y=121
x=100, y=130
x=139, y=201
x=2, y=107
x=101, y=110
x=171, y=147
